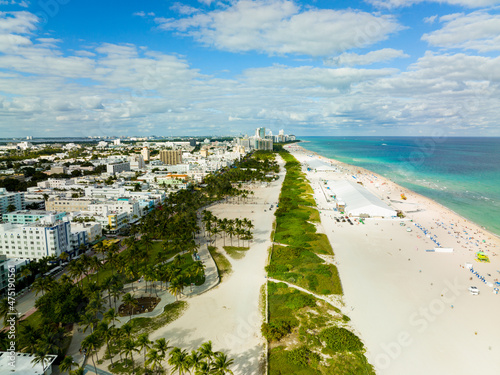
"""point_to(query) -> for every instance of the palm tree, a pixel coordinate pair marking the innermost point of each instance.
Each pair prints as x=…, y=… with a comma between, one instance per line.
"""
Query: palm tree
x=176, y=287
x=154, y=359
x=78, y=371
x=107, y=333
x=42, y=284
x=67, y=364
x=206, y=351
x=92, y=343
x=143, y=343
x=147, y=242
x=41, y=356
x=128, y=348
x=161, y=345
x=76, y=270
x=111, y=315
x=195, y=359
x=221, y=364
x=179, y=360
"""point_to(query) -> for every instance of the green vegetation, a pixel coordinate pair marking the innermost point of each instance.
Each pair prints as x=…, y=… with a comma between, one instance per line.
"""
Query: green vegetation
x=170, y=313
x=223, y=265
x=297, y=316
x=236, y=252
x=298, y=263
x=325, y=345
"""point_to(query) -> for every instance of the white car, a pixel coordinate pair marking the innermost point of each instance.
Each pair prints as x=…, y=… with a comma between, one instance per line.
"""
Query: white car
x=473, y=290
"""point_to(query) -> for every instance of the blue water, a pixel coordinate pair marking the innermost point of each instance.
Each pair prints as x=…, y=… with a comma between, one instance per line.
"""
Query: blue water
x=462, y=174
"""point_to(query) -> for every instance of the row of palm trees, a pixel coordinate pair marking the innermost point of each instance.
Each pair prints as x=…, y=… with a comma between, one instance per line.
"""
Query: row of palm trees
x=241, y=228
x=120, y=341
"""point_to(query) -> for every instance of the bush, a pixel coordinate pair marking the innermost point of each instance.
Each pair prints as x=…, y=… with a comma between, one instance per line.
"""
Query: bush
x=276, y=330
x=303, y=356
x=340, y=340
x=300, y=300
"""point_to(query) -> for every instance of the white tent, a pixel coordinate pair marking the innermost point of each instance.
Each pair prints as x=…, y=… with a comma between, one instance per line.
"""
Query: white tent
x=359, y=201
x=320, y=166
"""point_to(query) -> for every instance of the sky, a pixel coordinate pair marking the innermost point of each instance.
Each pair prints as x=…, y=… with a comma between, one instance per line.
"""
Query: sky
x=206, y=67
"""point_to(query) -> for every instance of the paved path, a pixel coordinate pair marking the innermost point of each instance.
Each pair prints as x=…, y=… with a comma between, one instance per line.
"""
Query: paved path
x=138, y=288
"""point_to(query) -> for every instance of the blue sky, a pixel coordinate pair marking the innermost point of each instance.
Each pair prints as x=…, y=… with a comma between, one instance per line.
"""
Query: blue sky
x=204, y=67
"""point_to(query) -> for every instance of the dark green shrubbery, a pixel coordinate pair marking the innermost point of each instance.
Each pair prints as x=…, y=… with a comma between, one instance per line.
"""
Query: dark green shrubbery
x=276, y=329
x=303, y=356
x=340, y=340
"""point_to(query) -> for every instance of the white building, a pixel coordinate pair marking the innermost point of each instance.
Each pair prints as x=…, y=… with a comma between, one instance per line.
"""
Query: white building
x=123, y=205
x=58, y=183
x=118, y=167
x=117, y=142
x=145, y=153
x=93, y=230
x=137, y=162
x=24, y=364
x=34, y=241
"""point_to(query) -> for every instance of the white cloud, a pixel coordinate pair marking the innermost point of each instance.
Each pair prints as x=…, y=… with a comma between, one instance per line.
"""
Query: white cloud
x=282, y=27
x=114, y=89
x=430, y=19
x=475, y=31
x=406, y=3
x=353, y=59
x=183, y=9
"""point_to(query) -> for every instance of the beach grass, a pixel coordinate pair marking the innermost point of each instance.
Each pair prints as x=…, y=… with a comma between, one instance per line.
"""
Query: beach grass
x=170, y=313
x=297, y=262
x=308, y=337
x=236, y=252
x=223, y=264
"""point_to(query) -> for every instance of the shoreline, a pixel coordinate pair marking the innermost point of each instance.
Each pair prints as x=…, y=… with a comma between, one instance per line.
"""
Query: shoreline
x=412, y=308
x=406, y=190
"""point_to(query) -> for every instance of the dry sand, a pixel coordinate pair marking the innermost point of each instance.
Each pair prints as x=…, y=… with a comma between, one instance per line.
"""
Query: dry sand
x=412, y=308
x=229, y=315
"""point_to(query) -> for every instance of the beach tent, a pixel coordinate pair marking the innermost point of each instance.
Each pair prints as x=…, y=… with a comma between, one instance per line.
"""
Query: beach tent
x=320, y=166
x=359, y=201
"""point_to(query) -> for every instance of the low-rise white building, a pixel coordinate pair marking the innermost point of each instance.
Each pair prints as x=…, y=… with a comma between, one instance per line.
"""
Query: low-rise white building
x=34, y=241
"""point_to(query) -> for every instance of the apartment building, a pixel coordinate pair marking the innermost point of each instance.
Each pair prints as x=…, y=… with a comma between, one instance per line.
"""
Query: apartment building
x=171, y=157
x=118, y=167
x=11, y=199
x=68, y=205
x=34, y=241
x=30, y=216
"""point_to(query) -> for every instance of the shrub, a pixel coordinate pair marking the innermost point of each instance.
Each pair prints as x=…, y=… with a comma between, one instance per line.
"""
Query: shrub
x=303, y=356
x=276, y=329
x=340, y=340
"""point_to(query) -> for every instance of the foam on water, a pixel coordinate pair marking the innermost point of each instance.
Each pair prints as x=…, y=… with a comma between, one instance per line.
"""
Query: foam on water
x=460, y=173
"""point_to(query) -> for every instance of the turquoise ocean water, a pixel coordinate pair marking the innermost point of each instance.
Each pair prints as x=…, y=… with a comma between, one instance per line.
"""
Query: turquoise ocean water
x=462, y=174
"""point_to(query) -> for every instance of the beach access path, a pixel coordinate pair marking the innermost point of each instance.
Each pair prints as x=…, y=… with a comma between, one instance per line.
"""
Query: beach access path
x=411, y=307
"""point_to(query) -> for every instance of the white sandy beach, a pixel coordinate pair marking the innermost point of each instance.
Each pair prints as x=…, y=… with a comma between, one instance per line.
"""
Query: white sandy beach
x=412, y=308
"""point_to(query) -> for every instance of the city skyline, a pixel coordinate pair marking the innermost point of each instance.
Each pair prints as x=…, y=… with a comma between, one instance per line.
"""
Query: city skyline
x=372, y=67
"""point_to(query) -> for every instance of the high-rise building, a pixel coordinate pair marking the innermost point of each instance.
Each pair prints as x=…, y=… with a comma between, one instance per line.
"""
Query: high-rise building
x=171, y=157
x=260, y=132
x=137, y=162
x=145, y=153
